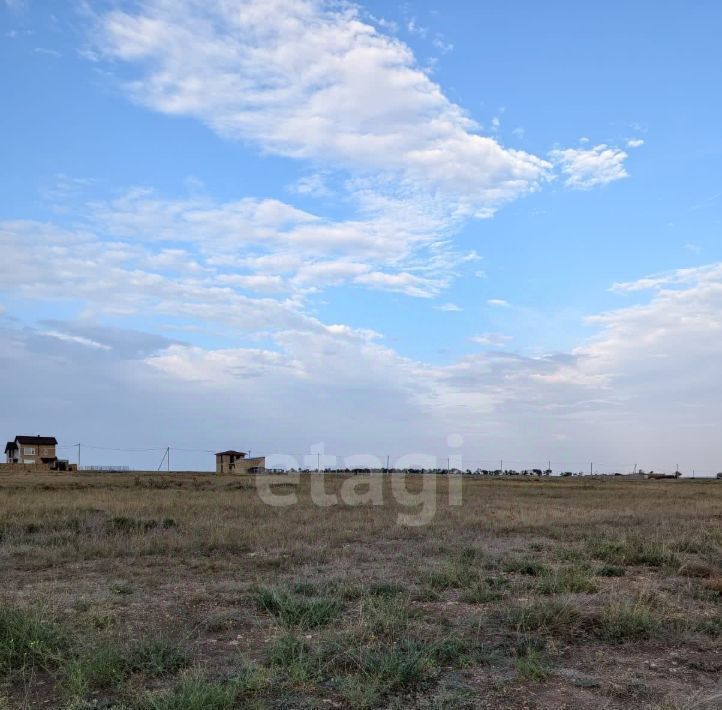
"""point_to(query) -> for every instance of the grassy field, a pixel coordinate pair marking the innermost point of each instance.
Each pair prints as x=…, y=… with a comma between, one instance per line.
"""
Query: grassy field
x=188, y=592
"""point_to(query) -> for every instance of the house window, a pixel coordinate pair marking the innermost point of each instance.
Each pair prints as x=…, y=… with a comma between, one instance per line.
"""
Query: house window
x=29, y=451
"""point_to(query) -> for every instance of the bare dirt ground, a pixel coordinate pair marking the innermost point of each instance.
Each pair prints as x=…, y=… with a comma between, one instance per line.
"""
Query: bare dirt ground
x=189, y=592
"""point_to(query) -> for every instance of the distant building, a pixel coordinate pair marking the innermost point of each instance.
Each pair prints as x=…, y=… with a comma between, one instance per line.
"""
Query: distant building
x=238, y=462
x=35, y=451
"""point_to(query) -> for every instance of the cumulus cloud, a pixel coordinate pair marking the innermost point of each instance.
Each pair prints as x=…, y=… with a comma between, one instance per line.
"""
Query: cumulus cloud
x=592, y=167
x=311, y=80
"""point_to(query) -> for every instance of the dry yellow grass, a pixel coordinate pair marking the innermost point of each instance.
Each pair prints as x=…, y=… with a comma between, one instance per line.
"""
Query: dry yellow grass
x=549, y=593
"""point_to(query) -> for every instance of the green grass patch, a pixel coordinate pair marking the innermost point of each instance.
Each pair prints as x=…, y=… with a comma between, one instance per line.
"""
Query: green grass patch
x=293, y=610
x=195, y=694
x=122, y=588
x=531, y=568
x=99, y=667
x=627, y=620
x=400, y=666
x=108, y=663
x=491, y=589
x=460, y=572
x=27, y=641
x=531, y=665
x=156, y=656
x=295, y=660
x=632, y=550
x=552, y=617
x=574, y=579
x=386, y=616
x=611, y=571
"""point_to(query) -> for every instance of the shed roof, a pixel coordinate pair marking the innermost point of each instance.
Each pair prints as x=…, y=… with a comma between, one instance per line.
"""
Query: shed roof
x=242, y=454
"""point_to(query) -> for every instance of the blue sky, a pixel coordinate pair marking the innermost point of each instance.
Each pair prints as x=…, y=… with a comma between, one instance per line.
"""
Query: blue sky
x=386, y=223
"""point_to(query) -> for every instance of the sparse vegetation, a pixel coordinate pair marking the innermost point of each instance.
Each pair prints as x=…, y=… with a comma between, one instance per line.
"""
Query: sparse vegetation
x=154, y=592
x=292, y=610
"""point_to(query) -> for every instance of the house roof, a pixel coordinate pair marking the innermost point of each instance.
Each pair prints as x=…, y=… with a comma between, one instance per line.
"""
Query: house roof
x=37, y=440
x=242, y=454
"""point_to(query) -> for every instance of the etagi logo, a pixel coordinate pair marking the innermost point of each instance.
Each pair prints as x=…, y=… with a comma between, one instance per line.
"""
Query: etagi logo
x=417, y=493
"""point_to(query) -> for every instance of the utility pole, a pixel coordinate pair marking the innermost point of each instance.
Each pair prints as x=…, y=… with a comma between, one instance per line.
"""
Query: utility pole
x=168, y=452
x=591, y=469
x=318, y=465
x=387, y=463
x=448, y=464
x=501, y=466
x=78, y=456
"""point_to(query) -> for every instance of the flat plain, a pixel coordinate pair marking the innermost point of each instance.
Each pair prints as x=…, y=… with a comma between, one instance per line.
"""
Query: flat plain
x=189, y=592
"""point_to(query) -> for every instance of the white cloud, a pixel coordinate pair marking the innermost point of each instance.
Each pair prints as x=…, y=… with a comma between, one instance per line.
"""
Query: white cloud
x=48, y=52
x=449, y=307
x=87, y=342
x=313, y=185
x=443, y=46
x=275, y=241
x=645, y=390
x=403, y=282
x=587, y=168
x=635, y=142
x=680, y=277
x=494, y=339
x=415, y=29
x=500, y=302
x=312, y=81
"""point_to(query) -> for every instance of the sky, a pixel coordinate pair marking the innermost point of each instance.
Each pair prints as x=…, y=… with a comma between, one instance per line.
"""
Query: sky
x=487, y=230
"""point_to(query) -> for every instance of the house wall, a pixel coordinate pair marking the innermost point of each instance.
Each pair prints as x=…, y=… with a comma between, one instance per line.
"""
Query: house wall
x=30, y=454
x=241, y=465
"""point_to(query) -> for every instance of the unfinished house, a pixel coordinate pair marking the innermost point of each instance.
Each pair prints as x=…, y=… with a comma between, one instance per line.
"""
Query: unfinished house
x=238, y=462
